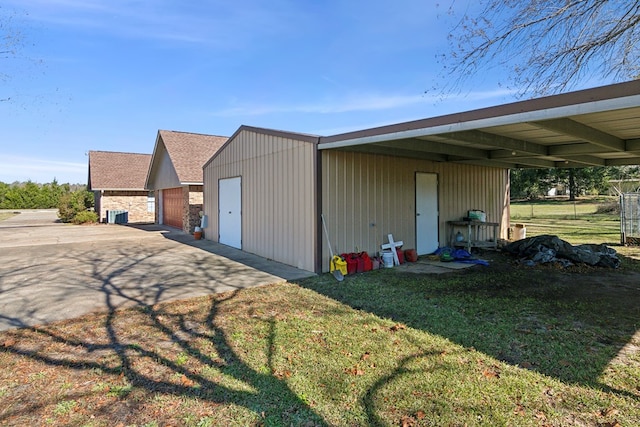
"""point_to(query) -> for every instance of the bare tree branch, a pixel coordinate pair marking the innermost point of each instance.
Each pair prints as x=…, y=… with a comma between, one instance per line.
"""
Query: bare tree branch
x=547, y=45
x=11, y=41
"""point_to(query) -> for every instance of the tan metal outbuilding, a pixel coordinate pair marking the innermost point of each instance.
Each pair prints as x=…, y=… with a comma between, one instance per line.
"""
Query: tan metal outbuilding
x=381, y=181
x=277, y=175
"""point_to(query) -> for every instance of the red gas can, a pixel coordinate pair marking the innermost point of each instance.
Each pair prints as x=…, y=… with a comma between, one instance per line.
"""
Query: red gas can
x=352, y=262
x=411, y=255
x=367, y=263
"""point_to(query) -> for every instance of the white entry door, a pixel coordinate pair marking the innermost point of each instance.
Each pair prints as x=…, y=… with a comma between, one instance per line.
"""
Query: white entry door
x=426, y=213
x=230, y=212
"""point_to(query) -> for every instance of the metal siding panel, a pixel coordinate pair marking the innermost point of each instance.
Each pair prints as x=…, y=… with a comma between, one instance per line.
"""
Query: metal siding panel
x=263, y=237
x=370, y=200
x=252, y=168
x=355, y=203
x=345, y=195
x=293, y=211
x=287, y=177
x=264, y=181
x=337, y=196
x=278, y=186
x=328, y=204
x=354, y=211
x=300, y=210
x=278, y=200
x=379, y=214
x=381, y=190
x=274, y=236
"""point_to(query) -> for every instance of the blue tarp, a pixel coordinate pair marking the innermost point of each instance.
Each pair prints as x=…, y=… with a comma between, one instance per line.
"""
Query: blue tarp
x=458, y=255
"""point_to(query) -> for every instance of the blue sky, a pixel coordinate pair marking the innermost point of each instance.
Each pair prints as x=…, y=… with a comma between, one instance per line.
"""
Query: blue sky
x=106, y=75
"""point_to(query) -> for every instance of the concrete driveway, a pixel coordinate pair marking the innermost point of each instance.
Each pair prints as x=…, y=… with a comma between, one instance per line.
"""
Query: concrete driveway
x=51, y=271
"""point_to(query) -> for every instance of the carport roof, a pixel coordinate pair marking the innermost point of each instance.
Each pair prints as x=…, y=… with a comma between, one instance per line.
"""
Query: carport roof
x=592, y=127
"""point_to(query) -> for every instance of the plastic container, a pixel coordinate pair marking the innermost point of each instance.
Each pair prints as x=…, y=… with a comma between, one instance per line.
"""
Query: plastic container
x=338, y=263
x=411, y=255
x=367, y=263
x=477, y=215
x=519, y=232
x=387, y=259
x=352, y=262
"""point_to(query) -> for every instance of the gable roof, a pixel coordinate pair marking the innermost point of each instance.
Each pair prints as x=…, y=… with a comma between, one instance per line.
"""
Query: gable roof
x=304, y=137
x=109, y=170
x=189, y=152
x=592, y=127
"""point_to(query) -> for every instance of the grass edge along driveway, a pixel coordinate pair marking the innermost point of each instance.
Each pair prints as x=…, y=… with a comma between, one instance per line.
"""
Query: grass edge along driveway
x=486, y=346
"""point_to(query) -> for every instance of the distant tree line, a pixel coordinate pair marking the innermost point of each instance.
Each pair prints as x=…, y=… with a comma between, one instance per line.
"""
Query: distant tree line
x=30, y=195
x=536, y=183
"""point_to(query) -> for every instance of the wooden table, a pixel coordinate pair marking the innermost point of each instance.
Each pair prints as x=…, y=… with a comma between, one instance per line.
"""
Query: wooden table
x=477, y=234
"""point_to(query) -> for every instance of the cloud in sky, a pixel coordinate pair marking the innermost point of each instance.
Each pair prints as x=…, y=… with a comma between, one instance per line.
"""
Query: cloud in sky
x=219, y=24
x=114, y=72
x=355, y=103
x=40, y=170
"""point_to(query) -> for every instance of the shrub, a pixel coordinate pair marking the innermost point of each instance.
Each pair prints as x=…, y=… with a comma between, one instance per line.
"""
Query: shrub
x=608, y=208
x=85, y=217
x=73, y=203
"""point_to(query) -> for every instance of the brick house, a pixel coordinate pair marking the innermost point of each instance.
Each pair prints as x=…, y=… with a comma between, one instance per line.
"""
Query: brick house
x=118, y=183
x=175, y=176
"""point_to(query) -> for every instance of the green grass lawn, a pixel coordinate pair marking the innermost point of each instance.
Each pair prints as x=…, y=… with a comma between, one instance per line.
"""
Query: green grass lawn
x=485, y=346
x=577, y=223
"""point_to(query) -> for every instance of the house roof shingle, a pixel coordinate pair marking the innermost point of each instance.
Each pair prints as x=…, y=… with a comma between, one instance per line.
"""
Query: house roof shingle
x=110, y=170
x=189, y=152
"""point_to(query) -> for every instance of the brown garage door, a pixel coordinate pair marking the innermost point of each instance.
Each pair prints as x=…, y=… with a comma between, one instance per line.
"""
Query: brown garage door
x=172, y=207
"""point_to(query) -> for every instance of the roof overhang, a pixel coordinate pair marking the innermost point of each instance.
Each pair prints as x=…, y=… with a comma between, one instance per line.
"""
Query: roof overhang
x=593, y=127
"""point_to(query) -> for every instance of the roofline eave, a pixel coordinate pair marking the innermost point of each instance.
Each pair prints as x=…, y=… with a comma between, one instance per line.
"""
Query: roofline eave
x=528, y=116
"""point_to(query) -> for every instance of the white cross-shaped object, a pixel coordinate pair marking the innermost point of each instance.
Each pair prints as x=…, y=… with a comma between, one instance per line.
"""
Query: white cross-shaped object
x=393, y=245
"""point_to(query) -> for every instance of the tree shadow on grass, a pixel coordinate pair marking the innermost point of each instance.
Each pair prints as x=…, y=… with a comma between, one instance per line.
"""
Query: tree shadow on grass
x=157, y=350
x=568, y=324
